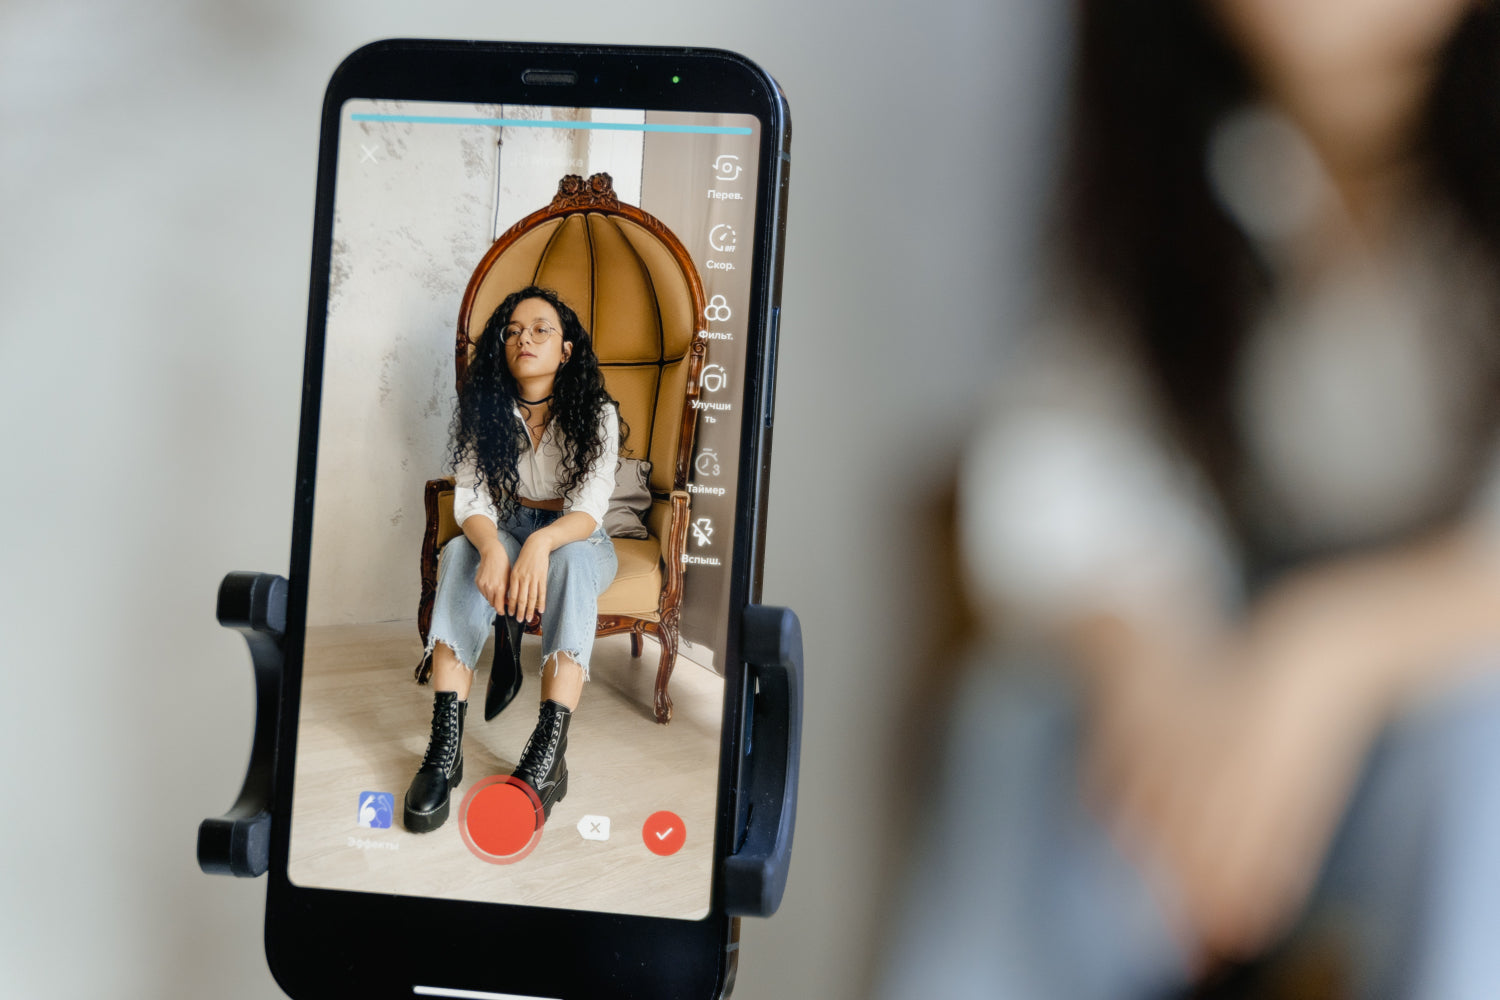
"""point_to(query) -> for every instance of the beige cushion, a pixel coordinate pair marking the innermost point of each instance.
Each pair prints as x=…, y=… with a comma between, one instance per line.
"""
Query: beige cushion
x=636, y=591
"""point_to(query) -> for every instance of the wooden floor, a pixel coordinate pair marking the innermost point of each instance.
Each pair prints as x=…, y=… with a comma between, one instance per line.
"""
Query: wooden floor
x=364, y=725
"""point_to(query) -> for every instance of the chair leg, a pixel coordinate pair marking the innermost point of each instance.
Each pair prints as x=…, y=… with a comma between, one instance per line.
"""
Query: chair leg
x=668, y=636
x=635, y=643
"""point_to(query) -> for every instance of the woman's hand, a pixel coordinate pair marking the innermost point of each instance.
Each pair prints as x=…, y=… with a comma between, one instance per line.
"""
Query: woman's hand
x=527, y=591
x=491, y=577
x=1243, y=801
x=1298, y=715
x=1224, y=768
x=1227, y=779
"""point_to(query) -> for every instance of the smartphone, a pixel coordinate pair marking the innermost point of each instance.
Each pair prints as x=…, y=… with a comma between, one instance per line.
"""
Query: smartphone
x=647, y=189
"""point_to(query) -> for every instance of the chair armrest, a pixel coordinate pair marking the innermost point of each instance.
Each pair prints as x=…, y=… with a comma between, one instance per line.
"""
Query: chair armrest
x=673, y=545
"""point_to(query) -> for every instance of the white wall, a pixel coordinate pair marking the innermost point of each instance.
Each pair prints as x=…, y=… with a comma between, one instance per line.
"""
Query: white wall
x=156, y=192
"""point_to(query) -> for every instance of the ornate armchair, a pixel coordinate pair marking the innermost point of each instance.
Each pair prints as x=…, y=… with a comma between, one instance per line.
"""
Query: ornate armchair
x=634, y=286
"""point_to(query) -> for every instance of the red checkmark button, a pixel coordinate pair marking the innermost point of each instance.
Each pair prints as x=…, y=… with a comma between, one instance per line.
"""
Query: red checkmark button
x=664, y=833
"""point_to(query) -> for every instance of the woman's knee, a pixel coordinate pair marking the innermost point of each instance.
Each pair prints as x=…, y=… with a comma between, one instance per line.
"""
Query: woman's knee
x=458, y=550
x=1455, y=736
x=569, y=561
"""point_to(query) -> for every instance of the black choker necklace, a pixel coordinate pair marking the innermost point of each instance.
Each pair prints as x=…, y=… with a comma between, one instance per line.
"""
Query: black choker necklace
x=536, y=402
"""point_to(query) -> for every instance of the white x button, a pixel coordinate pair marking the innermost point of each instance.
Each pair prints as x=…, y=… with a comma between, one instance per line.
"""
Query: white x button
x=369, y=154
x=594, y=828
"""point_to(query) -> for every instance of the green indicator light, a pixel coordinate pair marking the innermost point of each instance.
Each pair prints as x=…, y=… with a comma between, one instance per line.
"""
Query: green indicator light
x=676, y=79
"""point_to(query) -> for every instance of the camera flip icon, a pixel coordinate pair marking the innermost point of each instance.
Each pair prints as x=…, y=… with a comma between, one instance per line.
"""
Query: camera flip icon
x=727, y=167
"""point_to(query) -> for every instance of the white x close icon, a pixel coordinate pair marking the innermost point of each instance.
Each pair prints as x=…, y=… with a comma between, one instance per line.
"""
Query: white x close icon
x=594, y=827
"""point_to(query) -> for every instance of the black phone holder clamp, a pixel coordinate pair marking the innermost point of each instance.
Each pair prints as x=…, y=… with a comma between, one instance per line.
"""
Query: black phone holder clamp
x=239, y=842
x=755, y=874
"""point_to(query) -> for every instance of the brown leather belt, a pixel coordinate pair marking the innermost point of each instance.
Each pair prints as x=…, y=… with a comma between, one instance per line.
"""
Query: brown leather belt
x=556, y=503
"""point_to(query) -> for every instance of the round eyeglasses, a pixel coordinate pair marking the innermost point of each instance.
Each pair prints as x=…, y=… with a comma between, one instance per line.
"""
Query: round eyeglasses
x=540, y=332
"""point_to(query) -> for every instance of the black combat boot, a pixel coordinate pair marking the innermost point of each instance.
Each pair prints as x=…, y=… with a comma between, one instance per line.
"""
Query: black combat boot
x=542, y=765
x=505, y=672
x=443, y=767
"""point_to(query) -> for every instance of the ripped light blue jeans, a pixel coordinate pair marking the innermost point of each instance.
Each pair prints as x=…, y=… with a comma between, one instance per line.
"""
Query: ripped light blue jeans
x=577, y=573
x=1021, y=893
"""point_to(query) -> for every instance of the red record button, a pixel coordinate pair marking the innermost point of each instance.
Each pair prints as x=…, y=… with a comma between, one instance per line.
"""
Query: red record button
x=501, y=819
x=664, y=833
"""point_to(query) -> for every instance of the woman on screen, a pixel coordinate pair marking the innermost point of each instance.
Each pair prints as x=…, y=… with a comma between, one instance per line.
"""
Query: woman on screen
x=535, y=440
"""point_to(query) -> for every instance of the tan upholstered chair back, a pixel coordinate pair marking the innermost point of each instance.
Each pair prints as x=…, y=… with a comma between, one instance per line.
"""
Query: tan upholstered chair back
x=634, y=287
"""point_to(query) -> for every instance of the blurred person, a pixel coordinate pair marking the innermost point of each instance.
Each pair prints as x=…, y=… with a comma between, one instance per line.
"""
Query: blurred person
x=1236, y=522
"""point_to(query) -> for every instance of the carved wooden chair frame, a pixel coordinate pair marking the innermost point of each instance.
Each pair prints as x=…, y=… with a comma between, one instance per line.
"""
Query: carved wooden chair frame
x=595, y=195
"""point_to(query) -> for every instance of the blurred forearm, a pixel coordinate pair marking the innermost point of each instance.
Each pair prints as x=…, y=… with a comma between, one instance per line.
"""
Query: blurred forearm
x=1390, y=625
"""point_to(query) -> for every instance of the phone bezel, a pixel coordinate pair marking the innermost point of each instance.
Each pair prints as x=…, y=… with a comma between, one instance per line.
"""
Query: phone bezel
x=336, y=942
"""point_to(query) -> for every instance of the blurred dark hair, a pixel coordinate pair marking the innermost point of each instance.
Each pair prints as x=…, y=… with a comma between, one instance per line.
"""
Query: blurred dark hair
x=484, y=423
x=1140, y=224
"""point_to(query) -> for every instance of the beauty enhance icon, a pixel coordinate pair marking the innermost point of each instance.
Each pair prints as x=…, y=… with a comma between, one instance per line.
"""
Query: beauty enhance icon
x=714, y=378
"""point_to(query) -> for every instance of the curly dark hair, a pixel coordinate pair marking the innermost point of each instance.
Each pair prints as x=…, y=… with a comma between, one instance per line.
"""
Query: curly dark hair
x=1140, y=223
x=485, y=428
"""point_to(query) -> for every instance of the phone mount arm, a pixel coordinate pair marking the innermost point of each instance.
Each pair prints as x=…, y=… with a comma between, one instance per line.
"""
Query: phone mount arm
x=239, y=842
x=755, y=874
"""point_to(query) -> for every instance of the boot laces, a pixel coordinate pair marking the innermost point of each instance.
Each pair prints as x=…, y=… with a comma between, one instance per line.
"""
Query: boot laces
x=541, y=747
x=442, y=748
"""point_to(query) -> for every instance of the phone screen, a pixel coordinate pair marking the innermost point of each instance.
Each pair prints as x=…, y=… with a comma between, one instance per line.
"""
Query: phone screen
x=423, y=192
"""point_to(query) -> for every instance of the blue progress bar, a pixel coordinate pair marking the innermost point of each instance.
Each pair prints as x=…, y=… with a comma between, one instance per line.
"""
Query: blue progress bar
x=532, y=123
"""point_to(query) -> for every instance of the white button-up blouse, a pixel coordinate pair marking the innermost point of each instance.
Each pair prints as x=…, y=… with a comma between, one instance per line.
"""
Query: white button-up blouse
x=539, y=475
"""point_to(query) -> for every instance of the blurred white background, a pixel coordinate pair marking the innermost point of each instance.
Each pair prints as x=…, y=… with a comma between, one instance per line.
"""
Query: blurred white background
x=157, y=165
